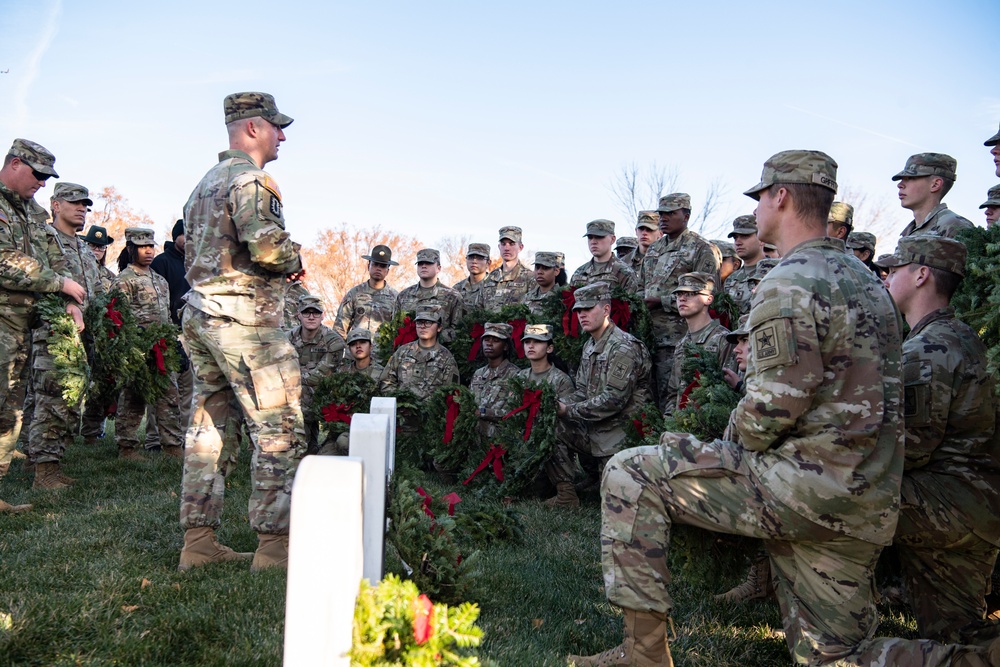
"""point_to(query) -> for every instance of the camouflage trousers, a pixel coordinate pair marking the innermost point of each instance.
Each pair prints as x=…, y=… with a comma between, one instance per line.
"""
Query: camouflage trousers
x=13, y=380
x=572, y=441
x=131, y=410
x=824, y=580
x=260, y=368
x=54, y=423
x=663, y=367
x=945, y=565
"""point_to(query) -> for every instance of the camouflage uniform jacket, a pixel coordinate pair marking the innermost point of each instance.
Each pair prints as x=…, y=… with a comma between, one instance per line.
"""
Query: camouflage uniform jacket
x=81, y=263
x=445, y=298
x=506, y=288
x=30, y=261
x=950, y=412
x=107, y=277
x=420, y=370
x=614, y=272
x=294, y=291
x=318, y=357
x=712, y=339
x=148, y=294
x=561, y=382
x=666, y=261
x=365, y=306
x=612, y=382
x=821, y=417
x=472, y=293
x=634, y=261
x=489, y=386
x=238, y=252
x=941, y=221
x=738, y=287
x=374, y=369
x=535, y=298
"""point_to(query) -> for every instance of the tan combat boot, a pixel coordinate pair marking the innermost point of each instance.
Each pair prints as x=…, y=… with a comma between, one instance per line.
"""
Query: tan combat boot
x=565, y=496
x=201, y=547
x=756, y=586
x=645, y=644
x=7, y=508
x=47, y=477
x=272, y=551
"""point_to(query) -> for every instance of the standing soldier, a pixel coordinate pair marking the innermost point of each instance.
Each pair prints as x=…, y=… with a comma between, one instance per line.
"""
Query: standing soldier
x=679, y=251
x=923, y=183
x=239, y=259
x=730, y=260
x=373, y=302
x=295, y=291
x=992, y=206
x=604, y=266
x=54, y=422
x=477, y=261
x=148, y=296
x=98, y=240
x=548, y=266
x=862, y=244
x=508, y=283
x=840, y=222
x=994, y=144
x=750, y=250
x=625, y=246
x=429, y=292
x=647, y=232
x=489, y=383
x=321, y=351
x=30, y=264
x=94, y=411
x=423, y=366
x=359, y=344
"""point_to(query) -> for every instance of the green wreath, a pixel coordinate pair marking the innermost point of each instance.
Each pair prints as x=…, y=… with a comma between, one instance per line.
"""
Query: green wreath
x=464, y=440
x=409, y=441
x=72, y=373
x=161, y=358
x=977, y=300
x=726, y=310
x=710, y=403
x=644, y=427
x=119, y=352
x=469, y=330
x=339, y=396
x=385, y=339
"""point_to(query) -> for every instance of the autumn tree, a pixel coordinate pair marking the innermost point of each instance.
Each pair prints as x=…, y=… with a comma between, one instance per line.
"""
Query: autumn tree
x=113, y=212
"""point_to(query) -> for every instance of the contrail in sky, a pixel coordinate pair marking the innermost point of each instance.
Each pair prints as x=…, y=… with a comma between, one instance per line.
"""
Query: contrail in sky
x=855, y=127
x=32, y=62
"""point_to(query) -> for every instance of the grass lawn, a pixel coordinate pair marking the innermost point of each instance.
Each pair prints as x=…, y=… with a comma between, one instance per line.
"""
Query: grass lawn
x=89, y=578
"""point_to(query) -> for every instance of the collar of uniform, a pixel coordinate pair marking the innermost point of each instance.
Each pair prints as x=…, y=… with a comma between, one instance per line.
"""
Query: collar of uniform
x=946, y=313
x=702, y=334
x=818, y=242
x=15, y=200
x=597, y=346
x=499, y=371
x=233, y=153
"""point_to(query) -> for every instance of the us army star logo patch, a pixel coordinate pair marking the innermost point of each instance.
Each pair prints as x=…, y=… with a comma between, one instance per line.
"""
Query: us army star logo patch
x=765, y=347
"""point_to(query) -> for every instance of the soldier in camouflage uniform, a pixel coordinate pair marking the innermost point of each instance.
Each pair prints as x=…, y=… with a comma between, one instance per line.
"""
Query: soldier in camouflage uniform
x=547, y=268
x=373, y=302
x=820, y=460
x=359, y=344
x=862, y=244
x=538, y=349
x=679, y=251
x=625, y=246
x=992, y=206
x=612, y=382
x=730, y=260
x=489, y=383
x=295, y=291
x=239, y=259
x=429, y=292
x=477, y=261
x=647, y=232
x=840, y=222
x=321, y=351
x=148, y=295
x=923, y=183
x=604, y=266
x=98, y=241
x=694, y=294
x=423, y=366
x=94, y=411
x=994, y=144
x=750, y=250
x=949, y=524
x=30, y=264
x=54, y=423
x=508, y=283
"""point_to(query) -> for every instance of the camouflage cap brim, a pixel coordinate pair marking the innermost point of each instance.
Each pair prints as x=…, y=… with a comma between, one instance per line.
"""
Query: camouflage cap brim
x=990, y=202
x=994, y=140
x=746, y=231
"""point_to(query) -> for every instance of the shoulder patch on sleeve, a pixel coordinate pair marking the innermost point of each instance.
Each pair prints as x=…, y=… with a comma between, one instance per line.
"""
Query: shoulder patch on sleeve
x=618, y=374
x=3, y=217
x=271, y=186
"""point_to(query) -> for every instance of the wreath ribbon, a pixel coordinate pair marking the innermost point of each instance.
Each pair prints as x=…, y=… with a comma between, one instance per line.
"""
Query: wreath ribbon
x=337, y=412
x=450, y=417
x=407, y=333
x=532, y=402
x=159, y=347
x=494, y=456
x=517, y=331
x=571, y=325
x=115, y=316
x=477, y=339
x=686, y=394
x=621, y=313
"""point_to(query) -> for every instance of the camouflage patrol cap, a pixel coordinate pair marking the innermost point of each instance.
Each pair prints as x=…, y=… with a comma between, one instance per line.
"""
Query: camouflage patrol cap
x=542, y=332
x=744, y=224
x=510, y=233
x=861, y=240
x=358, y=333
x=253, y=105
x=34, y=155
x=697, y=282
x=381, y=254
x=769, y=247
x=674, y=202
x=310, y=302
x=549, y=259
x=72, y=192
x=600, y=227
x=479, y=250
x=994, y=140
x=725, y=247
x=992, y=197
x=139, y=236
x=928, y=164
x=648, y=220
x=762, y=268
x=798, y=166
x=936, y=252
x=429, y=313
x=591, y=295
x=500, y=330
x=97, y=235
x=627, y=242
x=428, y=255
x=742, y=329
x=841, y=213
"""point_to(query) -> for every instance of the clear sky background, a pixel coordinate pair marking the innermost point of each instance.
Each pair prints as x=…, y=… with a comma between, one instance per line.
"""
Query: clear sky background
x=456, y=118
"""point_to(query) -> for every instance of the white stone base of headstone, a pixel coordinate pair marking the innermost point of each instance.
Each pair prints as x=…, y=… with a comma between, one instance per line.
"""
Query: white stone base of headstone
x=325, y=561
x=370, y=443
x=383, y=405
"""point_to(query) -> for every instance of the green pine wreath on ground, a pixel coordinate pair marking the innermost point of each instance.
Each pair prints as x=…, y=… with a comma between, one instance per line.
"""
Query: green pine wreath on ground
x=470, y=329
x=344, y=393
x=464, y=440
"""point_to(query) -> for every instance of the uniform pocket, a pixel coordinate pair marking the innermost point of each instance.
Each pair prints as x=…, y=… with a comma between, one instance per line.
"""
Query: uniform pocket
x=271, y=384
x=621, y=499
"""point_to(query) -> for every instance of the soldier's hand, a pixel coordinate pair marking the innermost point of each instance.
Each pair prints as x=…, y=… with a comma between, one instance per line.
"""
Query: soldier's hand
x=298, y=275
x=562, y=409
x=732, y=378
x=73, y=290
x=74, y=310
x=653, y=302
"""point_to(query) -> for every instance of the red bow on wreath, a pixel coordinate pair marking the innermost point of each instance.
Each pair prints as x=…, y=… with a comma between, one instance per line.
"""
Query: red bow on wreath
x=621, y=314
x=530, y=401
x=452, y=499
x=337, y=412
x=407, y=333
x=115, y=316
x=686, y=394
x=423, y=619
x=640, y=426
x=723, y=317
x=477, y=339
x=571, y=325
x=518, y=331
x=450, y=416
x=159, y=347
x=494, y=456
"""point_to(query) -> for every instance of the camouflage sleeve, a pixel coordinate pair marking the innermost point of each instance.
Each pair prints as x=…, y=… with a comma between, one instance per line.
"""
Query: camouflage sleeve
x=629, y=280
x=451, y=368
x=708, y=260
x=786, y=367
x=579, y=278
x=623, y=369
x=21, y=272
x=344, y=315
x=390, y=374
x=127, y=287
x=564, y=387
x=257, y=214
x=333, y=356
x=927, y=392
x=674, y=381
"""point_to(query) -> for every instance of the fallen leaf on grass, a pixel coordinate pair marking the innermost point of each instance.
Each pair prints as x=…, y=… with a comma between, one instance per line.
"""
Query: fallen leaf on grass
x=177, y=586
x=6, y=621
x=143, y=634
x=145, y=583
x=173, y=494
x=129, y=608
x=580, y=621
x=537, y=622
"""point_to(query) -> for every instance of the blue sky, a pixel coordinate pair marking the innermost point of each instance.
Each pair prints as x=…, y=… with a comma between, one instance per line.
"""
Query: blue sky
x=456, y=118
